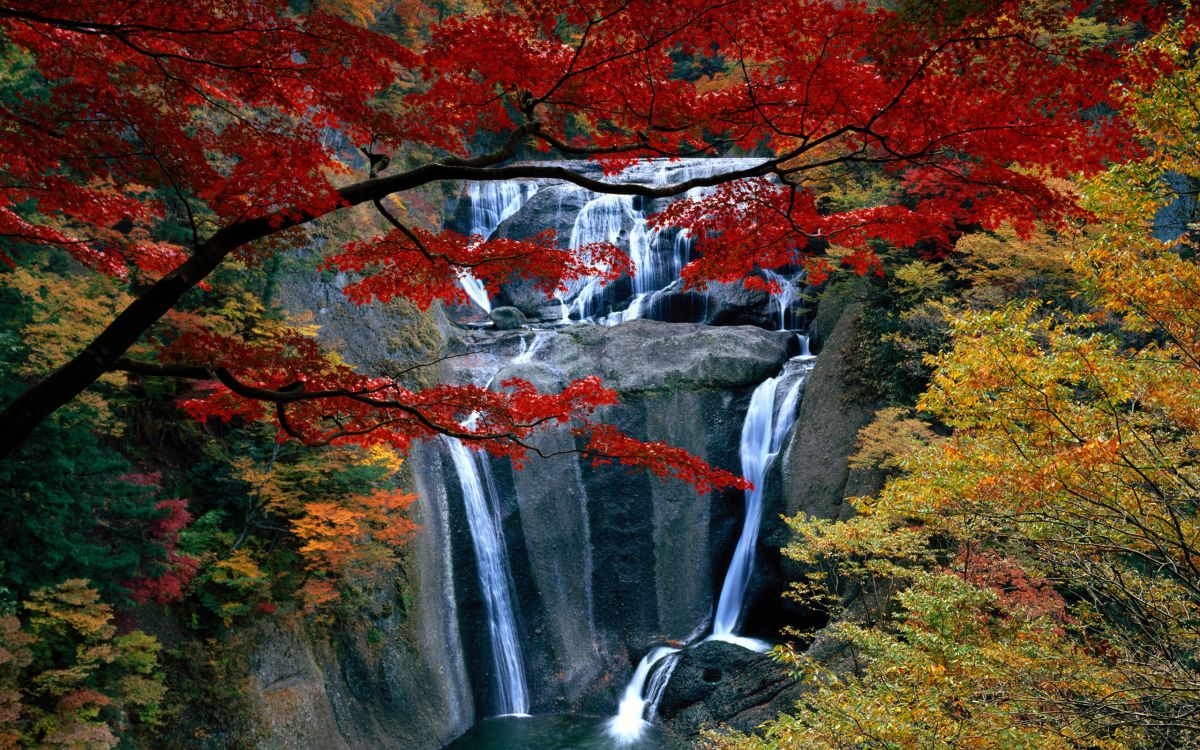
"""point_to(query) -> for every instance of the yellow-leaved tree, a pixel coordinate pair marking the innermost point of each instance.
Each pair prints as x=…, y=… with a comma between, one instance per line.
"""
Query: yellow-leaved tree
x=1032, y=578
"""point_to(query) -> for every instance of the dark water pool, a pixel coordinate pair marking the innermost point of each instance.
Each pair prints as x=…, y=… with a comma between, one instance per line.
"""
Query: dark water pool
x=549, y=733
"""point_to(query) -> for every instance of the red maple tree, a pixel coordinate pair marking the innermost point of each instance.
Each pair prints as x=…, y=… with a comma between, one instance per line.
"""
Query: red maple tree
x=221, y=107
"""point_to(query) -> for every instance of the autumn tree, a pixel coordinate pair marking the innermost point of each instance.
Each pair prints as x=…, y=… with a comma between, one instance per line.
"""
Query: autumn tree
x=1029, y=579
x=68, y=678
x=234, y=121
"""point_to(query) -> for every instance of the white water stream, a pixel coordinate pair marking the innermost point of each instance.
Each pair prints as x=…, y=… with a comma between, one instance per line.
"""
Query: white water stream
x=628, y=725
x=763, y=432
x=491, y=204
x=483, y=518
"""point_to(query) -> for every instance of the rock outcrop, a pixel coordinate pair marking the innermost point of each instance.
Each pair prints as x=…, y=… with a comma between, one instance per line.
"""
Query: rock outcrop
x=507, y=318
x=393, y=679
x=720, y=684
x=607, y=562
x=815, y=464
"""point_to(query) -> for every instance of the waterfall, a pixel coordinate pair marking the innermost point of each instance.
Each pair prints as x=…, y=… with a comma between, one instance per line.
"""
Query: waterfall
x=633, y=312
x=530, y=348
x=491, y=203
x=657, y=686
x=622, y=221
x=629, y=723
x=804, y=349
x=602, y=219
x=483, y=518
x=781, y=301
x=763, y=433
x=658, y=258
x=648, y=273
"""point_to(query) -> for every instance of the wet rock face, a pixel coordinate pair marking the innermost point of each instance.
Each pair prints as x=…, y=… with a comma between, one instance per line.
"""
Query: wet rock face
x=717, y=683
x=605, y=562
x=365, y=685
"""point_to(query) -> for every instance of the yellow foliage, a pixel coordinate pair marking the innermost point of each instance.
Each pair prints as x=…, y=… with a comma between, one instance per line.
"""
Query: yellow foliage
x=1072, y=467
x=65, y=680
x=65, y=312
x=357, y=533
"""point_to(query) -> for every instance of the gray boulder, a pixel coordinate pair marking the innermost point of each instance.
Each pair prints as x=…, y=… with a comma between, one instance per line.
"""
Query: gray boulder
x=507, y=318
x=648, y=355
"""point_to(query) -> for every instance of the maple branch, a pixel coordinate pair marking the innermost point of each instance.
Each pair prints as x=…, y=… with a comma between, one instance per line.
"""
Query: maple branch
x=410, y=234
x=23, y=414
x=294, y=393
x=642, y=144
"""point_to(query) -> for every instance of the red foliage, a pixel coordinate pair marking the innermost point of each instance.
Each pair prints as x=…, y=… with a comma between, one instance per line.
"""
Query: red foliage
x=168, y=586
x=236, y=110
x=426, y=267
x=1032, y=595
x=126, y=83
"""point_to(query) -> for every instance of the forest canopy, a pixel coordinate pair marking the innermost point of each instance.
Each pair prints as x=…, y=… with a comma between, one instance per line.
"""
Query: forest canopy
x=1011, y=183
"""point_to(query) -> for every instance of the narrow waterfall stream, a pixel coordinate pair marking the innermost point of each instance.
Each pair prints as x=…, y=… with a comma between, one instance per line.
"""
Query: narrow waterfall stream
x=491, y=204
x=479, y=497
x=629, y=724
x=763, y=433
x=764, y=430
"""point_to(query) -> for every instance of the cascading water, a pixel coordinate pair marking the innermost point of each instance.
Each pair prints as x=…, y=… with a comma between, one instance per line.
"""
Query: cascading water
x=622, y=220
x=658, y=684
x=630, y=722
x=530, y=348
x=763, y=433
x=479, y=497
x=491, y=204
x=782, y=301
x=658, y=259
x=804, y=347
x=603, y=219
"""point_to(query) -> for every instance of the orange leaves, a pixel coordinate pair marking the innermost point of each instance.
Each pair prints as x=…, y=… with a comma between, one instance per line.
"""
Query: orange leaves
x=354, y=534
x=348, y=525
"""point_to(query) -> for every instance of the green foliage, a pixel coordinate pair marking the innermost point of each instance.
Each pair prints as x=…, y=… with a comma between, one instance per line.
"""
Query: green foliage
x=69, y=514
